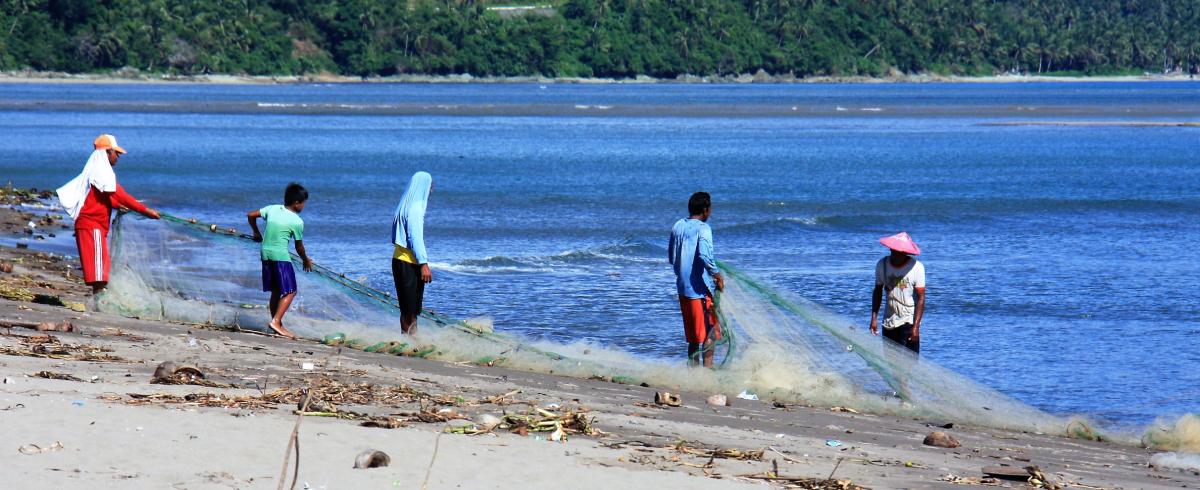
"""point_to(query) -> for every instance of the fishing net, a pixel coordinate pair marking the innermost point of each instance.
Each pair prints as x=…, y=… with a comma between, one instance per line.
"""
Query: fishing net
x=787, y=348
x=184, y=271
x=838, y=362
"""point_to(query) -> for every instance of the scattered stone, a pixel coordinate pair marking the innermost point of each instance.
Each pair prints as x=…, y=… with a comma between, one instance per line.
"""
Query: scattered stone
x=941, y=439
x=487, y=421
x=718, y=400
x=372, y=459
x=56, y=327
x=165, y=370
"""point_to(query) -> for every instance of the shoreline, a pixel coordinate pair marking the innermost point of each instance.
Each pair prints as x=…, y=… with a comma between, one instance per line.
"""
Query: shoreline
x=92, y=389
x=118, y=77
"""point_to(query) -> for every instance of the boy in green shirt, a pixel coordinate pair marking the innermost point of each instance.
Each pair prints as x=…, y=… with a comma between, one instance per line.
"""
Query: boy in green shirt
x=283, y=224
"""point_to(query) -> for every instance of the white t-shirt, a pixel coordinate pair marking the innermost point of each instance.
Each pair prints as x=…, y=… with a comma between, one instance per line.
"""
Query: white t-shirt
x=898, y=284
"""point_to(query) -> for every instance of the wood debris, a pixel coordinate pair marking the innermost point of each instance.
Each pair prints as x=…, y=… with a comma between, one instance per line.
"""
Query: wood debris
x=54, y=375
x=722, y=453
x=805, y=483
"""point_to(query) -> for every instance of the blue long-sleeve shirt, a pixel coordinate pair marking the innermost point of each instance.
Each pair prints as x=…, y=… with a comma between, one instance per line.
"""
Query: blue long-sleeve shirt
x=690, y=252
x=409, y=232
x=408, y=224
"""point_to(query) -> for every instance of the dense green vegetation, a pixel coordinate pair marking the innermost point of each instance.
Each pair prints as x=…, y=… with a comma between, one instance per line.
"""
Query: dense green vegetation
x=601, y=38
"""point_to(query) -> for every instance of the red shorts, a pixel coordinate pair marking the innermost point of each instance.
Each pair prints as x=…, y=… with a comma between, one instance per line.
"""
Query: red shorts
x=698, y=317
x=93, y=253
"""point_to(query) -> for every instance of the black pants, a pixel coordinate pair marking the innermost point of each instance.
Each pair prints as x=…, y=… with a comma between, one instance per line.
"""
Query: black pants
x=900, y=336
x=410, y=289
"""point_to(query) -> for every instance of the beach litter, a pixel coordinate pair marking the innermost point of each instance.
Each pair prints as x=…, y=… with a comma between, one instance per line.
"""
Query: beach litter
x=372, y=459
x=6, y=268
x=36, y=449
x=833, y=443
x=941, y=439
x=746, y=395
x=667, y=398
x=971, y=480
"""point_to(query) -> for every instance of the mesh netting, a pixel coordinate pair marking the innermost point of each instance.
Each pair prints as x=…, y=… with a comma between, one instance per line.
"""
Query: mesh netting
x=787, y=348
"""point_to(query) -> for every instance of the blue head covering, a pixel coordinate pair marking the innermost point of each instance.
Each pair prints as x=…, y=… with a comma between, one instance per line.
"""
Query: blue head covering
x=408, y=223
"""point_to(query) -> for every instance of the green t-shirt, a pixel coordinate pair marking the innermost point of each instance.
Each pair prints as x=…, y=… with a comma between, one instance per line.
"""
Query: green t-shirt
x=282, y=225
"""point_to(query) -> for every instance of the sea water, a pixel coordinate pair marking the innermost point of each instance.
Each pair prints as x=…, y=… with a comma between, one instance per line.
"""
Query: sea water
x=1061, y=260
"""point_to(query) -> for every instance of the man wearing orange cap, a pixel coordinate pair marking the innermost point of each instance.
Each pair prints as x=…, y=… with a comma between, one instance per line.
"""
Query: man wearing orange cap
x=902, y=277
x=90, y=198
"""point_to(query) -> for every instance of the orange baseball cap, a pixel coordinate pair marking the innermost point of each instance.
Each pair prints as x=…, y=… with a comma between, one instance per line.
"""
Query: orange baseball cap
x=106, y=141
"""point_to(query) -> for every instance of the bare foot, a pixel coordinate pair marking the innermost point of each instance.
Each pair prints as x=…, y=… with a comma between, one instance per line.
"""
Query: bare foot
x=279, y=329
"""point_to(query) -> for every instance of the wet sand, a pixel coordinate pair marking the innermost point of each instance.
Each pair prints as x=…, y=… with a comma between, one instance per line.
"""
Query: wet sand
x=114, y=427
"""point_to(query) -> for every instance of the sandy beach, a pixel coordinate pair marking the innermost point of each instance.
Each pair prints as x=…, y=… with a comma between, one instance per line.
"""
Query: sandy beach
x=82, y=408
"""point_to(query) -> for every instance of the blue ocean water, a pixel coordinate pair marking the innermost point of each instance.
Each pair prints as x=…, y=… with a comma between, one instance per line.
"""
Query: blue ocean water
x=1061, y=260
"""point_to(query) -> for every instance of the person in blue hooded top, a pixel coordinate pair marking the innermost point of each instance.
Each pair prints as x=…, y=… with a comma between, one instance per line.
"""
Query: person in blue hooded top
x=410, y=264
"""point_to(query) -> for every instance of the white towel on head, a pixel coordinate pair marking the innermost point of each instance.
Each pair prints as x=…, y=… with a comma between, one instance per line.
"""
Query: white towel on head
x=96, y=172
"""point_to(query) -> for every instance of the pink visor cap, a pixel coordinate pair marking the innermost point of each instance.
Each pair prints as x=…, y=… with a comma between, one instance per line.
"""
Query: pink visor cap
x=901, y=242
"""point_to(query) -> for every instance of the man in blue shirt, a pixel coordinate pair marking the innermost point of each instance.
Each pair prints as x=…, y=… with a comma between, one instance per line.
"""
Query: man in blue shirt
x=690, y=252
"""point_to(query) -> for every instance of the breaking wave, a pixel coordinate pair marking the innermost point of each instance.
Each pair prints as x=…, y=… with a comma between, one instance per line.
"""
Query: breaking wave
x=626, y=253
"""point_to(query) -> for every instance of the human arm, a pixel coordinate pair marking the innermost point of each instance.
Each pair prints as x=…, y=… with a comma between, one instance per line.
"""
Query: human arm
x=920, y=312
x=706, y=256
x=308, y=264
x=876, y=300
x=415, y=227
x=919, y=298
x=252, y=218
x=671, y=248
x=123, y=200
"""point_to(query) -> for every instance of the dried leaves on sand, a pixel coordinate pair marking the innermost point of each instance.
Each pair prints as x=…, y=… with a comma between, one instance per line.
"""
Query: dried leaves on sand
x=48, y=347
x=326, y=390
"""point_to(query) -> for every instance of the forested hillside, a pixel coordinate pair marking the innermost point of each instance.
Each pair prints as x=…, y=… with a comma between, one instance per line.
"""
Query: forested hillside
x=599, y=38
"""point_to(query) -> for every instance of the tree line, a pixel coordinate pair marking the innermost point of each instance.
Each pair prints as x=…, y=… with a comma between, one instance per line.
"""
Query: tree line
x=601, y=38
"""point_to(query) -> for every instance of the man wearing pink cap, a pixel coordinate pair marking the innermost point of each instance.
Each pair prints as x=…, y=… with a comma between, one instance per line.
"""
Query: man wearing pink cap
x=902, y=277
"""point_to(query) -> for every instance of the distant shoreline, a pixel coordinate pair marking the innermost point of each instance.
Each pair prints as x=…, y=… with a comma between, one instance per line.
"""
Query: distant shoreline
x=135, y=77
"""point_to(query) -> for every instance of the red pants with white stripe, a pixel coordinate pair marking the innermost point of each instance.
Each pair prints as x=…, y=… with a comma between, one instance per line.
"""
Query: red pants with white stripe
x=93, y=253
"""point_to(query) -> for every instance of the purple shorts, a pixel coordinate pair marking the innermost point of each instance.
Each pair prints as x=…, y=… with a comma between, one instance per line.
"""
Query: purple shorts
x=278, y=277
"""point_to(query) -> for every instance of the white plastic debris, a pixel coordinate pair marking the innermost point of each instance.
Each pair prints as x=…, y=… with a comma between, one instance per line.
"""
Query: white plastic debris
x=746, y=395
x=308, y=366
